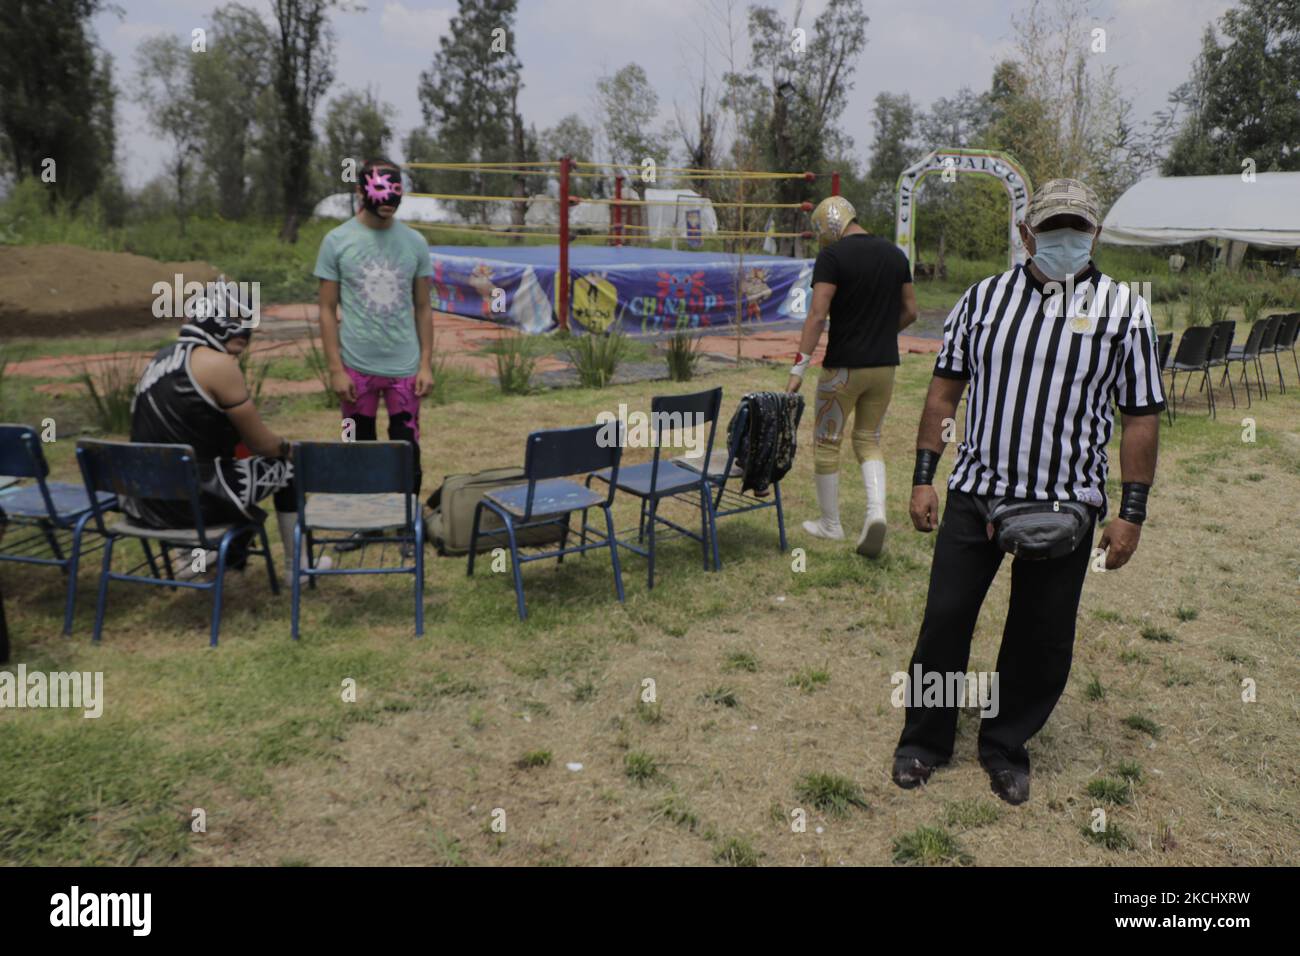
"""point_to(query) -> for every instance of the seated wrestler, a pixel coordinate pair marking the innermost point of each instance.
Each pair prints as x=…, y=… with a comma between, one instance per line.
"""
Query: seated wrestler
x=193, y=393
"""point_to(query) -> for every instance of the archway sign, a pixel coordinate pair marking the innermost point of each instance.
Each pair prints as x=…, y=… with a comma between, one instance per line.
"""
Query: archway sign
x=953, y=162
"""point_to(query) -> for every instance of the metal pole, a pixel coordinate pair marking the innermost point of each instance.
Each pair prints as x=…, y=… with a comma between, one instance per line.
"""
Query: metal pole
x=740, y=262
x=835, y=183
x=562, y=275
x=618, y=210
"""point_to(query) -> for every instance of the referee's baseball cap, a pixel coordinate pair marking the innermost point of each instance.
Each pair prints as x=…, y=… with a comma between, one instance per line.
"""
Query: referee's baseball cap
x=1063, y=197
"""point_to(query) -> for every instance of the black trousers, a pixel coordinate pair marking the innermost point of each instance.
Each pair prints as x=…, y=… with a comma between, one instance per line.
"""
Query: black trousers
x=399, y=429
x=1037, y=640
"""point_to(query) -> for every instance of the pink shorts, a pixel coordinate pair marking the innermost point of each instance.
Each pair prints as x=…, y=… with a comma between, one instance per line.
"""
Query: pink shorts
x=399, y=398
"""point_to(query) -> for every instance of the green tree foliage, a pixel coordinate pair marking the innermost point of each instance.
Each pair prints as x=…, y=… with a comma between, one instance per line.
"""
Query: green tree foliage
x=164, y=90
x=469, y=98
x=302, y=70
x=1242, y=99
x=892, y=150
x=56, y=95
x=628, y=107
x=230, y=83
x=795, y=92
x=358, y=127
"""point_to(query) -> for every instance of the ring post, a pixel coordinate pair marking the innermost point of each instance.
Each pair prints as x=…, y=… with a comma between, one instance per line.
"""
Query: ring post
x=562, y=276
x=618, y=210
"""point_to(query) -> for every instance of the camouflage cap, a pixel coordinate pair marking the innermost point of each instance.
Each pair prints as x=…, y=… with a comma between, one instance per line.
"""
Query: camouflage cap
x=1063, y=197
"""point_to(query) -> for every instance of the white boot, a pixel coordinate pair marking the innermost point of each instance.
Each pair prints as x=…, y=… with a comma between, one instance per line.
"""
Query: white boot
x=872, y=540
x=286, y=520
x=828, y=500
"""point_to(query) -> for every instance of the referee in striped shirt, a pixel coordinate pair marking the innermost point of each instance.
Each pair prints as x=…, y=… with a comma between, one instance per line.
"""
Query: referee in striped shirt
x=1045, y=349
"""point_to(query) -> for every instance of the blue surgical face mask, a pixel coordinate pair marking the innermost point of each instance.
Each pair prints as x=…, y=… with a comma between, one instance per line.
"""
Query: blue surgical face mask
x=1061, y=253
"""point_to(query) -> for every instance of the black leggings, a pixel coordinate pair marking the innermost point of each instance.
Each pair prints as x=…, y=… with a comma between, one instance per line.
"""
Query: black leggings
x=1037, y=638
x=399, y=429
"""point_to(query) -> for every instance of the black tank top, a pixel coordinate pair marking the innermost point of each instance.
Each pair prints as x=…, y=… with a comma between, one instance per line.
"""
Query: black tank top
x=170, y=407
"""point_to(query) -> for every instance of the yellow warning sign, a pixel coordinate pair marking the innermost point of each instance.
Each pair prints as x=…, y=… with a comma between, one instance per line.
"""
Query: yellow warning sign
x=595, y=301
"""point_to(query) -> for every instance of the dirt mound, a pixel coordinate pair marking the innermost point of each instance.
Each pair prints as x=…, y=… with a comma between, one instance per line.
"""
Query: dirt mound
x=66, y=290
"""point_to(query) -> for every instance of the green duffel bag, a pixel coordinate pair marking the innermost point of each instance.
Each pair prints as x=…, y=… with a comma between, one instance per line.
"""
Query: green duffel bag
x=449, y=520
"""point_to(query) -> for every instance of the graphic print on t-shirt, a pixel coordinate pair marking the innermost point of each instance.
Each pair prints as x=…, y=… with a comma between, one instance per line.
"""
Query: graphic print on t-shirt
x=381, y=286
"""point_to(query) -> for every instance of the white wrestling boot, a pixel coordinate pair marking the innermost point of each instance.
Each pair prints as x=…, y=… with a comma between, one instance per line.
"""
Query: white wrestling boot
x=828, y=500
x=286, y=521
x=872, y=540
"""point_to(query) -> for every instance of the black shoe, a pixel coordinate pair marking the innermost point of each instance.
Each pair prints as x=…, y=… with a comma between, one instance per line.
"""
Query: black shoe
x=909, y=772
x=1011, y=785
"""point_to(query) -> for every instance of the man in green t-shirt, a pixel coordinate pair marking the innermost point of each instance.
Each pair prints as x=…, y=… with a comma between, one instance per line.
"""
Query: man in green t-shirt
x=376, y=321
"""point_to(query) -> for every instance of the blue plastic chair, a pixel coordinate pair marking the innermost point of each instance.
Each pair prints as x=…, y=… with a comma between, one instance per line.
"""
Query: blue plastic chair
x=162, y=473
x=356, y=486
x=657, y=479
x=722, y=466
x=46, y=508
x=550, y=459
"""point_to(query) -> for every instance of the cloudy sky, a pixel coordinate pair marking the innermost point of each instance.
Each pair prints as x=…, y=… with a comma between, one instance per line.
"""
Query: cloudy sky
x=928, y=48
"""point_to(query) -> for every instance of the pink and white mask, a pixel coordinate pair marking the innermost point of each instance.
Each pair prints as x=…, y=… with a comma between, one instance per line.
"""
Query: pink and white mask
x=381, y=186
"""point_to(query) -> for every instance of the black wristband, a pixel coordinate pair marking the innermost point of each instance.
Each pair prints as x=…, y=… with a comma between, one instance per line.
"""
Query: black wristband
x=926, y=462
x=1133, y=502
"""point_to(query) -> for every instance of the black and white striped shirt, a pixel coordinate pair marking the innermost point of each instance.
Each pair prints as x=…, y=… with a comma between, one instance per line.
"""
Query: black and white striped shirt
x=1038, y=414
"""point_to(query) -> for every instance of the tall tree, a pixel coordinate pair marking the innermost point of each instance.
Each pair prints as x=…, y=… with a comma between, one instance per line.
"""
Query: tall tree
x=808, y=78
x=893, y=148
x=358, y=126
x=164, y=91
x=56, y=95
x=629, y=107
x=228, y=81
x=571, y=136
x=303, y=69
x=1243, y=96
x=469, y=98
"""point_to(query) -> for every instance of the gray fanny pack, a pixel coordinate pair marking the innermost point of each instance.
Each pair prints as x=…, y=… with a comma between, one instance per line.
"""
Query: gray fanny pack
x=1038, y=530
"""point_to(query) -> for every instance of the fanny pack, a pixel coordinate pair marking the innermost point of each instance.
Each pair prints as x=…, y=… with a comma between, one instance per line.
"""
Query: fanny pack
x=1038, y=530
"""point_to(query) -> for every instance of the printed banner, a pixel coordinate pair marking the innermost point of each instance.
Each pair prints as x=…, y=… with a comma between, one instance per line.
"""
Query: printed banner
x=643, y=290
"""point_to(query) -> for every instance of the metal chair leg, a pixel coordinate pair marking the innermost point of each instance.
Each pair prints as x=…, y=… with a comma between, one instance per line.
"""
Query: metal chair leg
x=270, y=562
x=564, y=540
x=613, y=552
x=101, y=603
x=218, y=586
x=780, y=516
x=419, y=574
x=295, y=580
x=148, y=556
x=515, y=568
x=74, y=562
x=654, y=508
x=473, y=539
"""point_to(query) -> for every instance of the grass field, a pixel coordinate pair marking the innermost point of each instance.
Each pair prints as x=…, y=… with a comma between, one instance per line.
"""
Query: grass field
x=773, y=687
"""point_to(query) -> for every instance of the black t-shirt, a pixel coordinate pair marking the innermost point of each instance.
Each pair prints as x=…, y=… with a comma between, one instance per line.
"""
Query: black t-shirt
x=868, y=273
